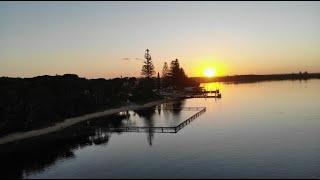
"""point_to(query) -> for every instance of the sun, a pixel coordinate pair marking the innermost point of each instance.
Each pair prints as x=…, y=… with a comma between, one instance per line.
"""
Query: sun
x=209, y=72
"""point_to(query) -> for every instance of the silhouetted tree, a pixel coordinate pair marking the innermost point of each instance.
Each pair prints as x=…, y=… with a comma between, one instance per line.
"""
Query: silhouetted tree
x=147, y=68
x=177, y=75
x=182, y=75
x=174, y=71
x=165, y=70
x=158, y=82
x=165, y=75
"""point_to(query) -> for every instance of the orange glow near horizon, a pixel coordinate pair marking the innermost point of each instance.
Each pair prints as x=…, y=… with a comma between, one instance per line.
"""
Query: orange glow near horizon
x=209, y=68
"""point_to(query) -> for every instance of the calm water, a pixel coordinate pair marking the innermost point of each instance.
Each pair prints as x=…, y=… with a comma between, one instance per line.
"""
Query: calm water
x=257, y=130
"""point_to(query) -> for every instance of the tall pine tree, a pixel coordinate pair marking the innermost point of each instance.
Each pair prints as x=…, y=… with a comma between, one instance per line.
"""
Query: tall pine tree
x=165, y=70
x=148, y=68
x=158, y=82
x=165, y=75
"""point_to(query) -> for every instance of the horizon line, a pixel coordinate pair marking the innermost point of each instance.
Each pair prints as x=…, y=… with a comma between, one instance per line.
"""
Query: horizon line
x=155, y=76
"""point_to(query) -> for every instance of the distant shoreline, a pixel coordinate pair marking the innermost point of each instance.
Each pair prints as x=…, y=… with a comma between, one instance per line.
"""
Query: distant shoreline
x=258, y=78
x=201, y=79
x=72, y=121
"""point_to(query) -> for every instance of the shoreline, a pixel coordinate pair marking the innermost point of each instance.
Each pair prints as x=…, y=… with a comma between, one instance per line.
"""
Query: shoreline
x=72, y=121
x=249, y=78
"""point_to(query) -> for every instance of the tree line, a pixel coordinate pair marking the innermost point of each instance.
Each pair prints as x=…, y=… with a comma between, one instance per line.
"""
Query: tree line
x=31, y=103
x=173, y=77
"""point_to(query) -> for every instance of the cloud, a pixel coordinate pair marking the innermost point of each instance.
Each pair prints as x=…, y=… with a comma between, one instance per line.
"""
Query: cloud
x=130, y=59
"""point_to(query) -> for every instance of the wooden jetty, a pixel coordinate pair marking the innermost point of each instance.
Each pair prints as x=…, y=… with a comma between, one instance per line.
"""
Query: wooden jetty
x=174, y=129
x=202, y=96
x=215, y=91
x=184, y=108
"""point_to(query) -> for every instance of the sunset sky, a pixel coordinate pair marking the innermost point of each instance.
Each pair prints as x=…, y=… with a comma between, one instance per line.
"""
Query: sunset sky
x=108, y=39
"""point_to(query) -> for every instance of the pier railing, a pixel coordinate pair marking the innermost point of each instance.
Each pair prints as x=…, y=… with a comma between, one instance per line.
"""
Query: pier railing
x=173, y=129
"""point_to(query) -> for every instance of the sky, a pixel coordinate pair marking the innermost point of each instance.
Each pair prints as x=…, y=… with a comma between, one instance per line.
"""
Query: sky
x=108, y=39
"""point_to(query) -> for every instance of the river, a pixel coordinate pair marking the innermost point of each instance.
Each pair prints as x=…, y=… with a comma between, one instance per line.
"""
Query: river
x=256, y=130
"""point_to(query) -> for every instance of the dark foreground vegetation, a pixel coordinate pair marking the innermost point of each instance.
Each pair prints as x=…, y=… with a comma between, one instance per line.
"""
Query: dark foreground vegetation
x=29, y=103
x=32, y=103
x=257, y=78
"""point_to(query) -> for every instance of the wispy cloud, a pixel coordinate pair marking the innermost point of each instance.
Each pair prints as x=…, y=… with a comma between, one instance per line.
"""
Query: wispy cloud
x=130, y=59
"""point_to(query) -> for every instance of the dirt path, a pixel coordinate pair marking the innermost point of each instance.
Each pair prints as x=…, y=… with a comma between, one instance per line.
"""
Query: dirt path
x=71, y=121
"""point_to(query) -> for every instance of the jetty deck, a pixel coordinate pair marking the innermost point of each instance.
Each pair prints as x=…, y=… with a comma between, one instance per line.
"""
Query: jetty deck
x=173, y=129
x=202, y=96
